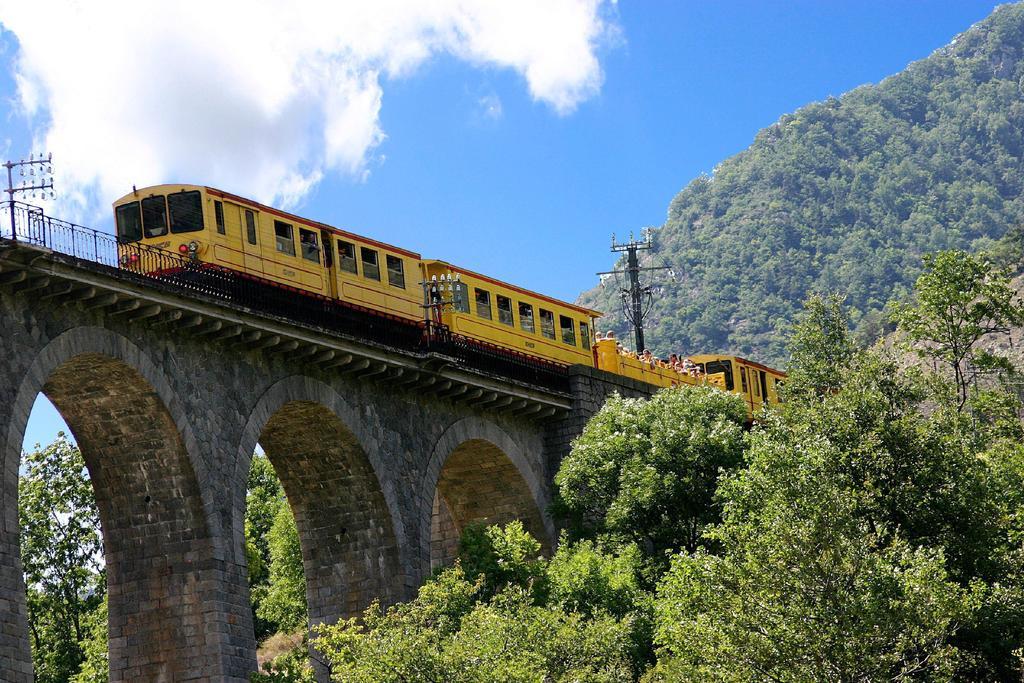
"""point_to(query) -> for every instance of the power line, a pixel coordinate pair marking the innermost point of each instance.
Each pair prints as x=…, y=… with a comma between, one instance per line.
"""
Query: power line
x=638, y=298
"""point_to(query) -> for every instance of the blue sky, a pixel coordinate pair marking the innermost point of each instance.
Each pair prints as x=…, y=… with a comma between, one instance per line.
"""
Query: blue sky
x=495, y=151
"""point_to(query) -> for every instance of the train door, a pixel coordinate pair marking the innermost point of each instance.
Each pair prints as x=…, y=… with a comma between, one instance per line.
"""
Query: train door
x=220, y=236
x=764, y=387
x=756, y=398
x=250, y=242
x=746, y=387
x=327, y=244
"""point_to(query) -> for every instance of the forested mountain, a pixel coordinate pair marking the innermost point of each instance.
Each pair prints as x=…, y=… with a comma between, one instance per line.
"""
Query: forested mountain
x=846, y=195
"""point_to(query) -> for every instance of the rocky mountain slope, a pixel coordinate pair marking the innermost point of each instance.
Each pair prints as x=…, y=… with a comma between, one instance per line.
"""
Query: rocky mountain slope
x=846, y=194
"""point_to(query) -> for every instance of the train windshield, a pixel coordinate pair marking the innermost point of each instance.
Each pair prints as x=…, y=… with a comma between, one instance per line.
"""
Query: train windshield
x=154, y=216
x=724, y=366
x=186, y=209
x=129, y=223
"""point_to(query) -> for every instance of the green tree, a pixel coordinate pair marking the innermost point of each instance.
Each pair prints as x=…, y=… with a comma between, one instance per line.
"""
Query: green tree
x=960, y=299
x=807, y=586
x=645, y=471
x=585, y=579
x=290, y=667
x=264, y=500
x=96, y=665
x=501, y=557
x=870, y=531
x=264, y=497
x=820, y=346
x=510, y=639
x=405, y=641
x=452, y=632
x=62, y=557
x=285, y=601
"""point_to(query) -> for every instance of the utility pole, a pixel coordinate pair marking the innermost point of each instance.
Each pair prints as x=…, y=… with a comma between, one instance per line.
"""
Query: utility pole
x=637, y=299
x=37, y=185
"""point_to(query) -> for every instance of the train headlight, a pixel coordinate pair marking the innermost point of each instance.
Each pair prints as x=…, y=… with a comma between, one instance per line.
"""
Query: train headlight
x=190, y=249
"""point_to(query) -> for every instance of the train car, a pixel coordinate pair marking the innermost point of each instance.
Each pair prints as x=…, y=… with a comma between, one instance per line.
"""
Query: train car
x=609, y=358
x=505, y=315
x=223, y=230
x=757, y=384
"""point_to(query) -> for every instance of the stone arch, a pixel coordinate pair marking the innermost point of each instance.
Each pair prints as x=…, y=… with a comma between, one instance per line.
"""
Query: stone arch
x=168, y=616
x=348, y=522
x=477, y=472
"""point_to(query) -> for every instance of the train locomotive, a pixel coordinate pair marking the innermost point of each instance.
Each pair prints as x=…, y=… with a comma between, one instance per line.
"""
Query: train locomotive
x=224, y=231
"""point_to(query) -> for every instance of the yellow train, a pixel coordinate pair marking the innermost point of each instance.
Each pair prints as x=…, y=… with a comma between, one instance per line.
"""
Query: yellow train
x=220, y=230
x=758, y=385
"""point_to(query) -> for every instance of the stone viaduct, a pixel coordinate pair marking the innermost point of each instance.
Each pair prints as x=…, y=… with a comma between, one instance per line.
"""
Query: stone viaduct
x=384, y=456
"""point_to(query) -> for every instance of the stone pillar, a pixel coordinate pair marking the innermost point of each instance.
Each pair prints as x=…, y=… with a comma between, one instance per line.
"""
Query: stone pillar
x=174, y=607
x=15, y=650
x=171, y=612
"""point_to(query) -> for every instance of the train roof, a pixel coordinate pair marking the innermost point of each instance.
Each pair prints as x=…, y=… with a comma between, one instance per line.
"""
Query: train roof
x=741, y=359
x=291, y=216
x=277, y=212
x=351, y=235
x=522, y=290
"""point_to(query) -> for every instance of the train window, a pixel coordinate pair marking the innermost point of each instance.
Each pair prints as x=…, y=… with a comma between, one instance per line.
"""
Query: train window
x=284, y=238
x=250, y=226
x=584, y=335
x=757, y=388
x=504, y=310
x=371, y=268
x=129, y=223
x=743, y=379
x=186, y=211
x=547, y=324
x=568, y=326
x=218, y=215
x=526, y=317
x=396, y=271
x=347, y=256
x=310, y=245
x=460, y=298
x=154, y=216
x=483, y=303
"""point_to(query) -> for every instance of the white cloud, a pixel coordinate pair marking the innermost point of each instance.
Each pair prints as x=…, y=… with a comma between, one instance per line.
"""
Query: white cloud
x=263, y=98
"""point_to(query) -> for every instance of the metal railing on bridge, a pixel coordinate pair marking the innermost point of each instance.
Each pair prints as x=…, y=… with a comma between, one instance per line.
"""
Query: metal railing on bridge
x=100, y=251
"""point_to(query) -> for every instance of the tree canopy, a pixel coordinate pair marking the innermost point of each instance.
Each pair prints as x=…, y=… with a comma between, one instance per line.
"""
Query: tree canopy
x=645, y=471
x=959, y=300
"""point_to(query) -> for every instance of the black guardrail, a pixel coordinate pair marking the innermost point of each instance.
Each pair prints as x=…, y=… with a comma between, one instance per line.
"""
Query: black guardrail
x=148, y=265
